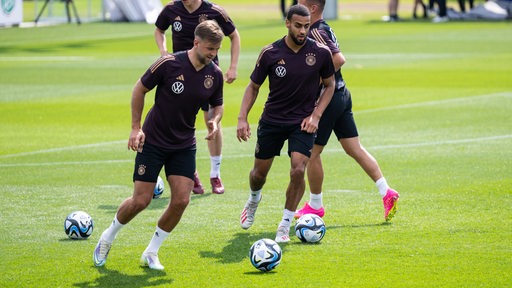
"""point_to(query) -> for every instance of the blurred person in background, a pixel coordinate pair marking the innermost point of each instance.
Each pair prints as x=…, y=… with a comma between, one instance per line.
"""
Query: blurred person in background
x=415, y=9
x=392, y=12
x=284, y=11
x=441, y=13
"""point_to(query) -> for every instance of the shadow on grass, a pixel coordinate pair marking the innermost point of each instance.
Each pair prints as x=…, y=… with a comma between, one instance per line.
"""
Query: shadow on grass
x=359, y=225
x=161, y=203
x=157, y=204
x=46, y=47
x=238, y=248
x=258, y=272
x=112, y=278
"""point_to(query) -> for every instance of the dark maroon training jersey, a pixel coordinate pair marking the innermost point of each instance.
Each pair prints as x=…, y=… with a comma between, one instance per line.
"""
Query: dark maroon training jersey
x=180, y=91
x=184, y=23
x=293, y=79
x=322, y=32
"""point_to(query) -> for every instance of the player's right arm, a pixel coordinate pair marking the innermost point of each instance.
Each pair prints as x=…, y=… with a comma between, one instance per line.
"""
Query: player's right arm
x=161, y=41
x=235, y=54
x=137, y=137
x=338, y=60
x=214, y=117
x=243, y=131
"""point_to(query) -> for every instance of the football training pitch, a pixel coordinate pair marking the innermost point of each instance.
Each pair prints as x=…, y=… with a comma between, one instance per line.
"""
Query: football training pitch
x=433, y=104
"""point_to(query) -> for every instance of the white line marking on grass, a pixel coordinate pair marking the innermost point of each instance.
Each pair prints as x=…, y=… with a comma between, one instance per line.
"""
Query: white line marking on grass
x=114, y=186
x=228, y=156
x=410, y=145
x=51, y=150
x=66, y=163
x=436, y=102
x=433, y=143
x=45, y=58
x=344, y=191
x=402, y=56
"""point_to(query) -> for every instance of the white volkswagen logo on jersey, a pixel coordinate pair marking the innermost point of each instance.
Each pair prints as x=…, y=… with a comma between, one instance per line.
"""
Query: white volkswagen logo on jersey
x=280, y=71
x=178, y=87
x=177, y=26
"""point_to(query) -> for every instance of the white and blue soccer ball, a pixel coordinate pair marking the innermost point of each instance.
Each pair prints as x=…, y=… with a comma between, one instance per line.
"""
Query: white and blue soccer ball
x=265, y=254
x=159, y=188
x=310, y=228
x=78, y=225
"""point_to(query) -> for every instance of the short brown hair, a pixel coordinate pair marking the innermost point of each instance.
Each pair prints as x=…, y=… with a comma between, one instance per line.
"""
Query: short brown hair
x=297, y=9
x=209, y=31
x=320, y=3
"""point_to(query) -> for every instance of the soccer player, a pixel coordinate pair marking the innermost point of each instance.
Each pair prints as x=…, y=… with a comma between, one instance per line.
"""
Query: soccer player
x=282, y=5
x=393, y=11
x=183, y=16
x=295, y=66
x=184, y=81
x=338, y=117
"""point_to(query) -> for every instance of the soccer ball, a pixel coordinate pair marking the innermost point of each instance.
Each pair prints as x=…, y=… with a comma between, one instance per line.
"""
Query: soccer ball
x=310, y=228
x=159, y=188
x=78, y=225
x=265, y=254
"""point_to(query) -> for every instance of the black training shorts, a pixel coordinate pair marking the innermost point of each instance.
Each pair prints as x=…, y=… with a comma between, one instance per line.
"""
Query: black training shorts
x=150, y=161
x=337, y=117
x=271, y=138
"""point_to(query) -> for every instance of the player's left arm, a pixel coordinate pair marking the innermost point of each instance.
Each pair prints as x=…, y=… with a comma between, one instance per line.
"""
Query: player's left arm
x=231, y=74
x=310, y=124
x=214, y=117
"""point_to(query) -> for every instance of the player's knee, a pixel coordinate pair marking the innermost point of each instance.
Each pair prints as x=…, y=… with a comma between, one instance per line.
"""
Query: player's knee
x=314, y=157
x=140, y=203
x=180, y=204
x=350, y=153
x=297, y=172
x=257, y=177
x=354, y=151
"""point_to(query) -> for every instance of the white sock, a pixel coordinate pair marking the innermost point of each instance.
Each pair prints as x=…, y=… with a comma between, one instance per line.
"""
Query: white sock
x=255, y=196
x=110, y=234
x=215, y=166
x=287, y=218
x=157, y=240
x=382, y=185
x=315, y=201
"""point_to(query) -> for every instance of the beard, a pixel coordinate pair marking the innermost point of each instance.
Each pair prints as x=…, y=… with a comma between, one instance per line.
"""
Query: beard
x=297, y=41
x=203, y=60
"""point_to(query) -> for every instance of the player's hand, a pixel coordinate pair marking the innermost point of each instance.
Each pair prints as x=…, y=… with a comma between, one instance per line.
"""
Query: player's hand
x=243, y=131
x=213, y=129
x=310, y=124
x=230, y=76
x=136, y=140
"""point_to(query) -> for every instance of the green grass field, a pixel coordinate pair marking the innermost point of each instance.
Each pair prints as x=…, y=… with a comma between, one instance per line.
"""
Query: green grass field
x=433, y=104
